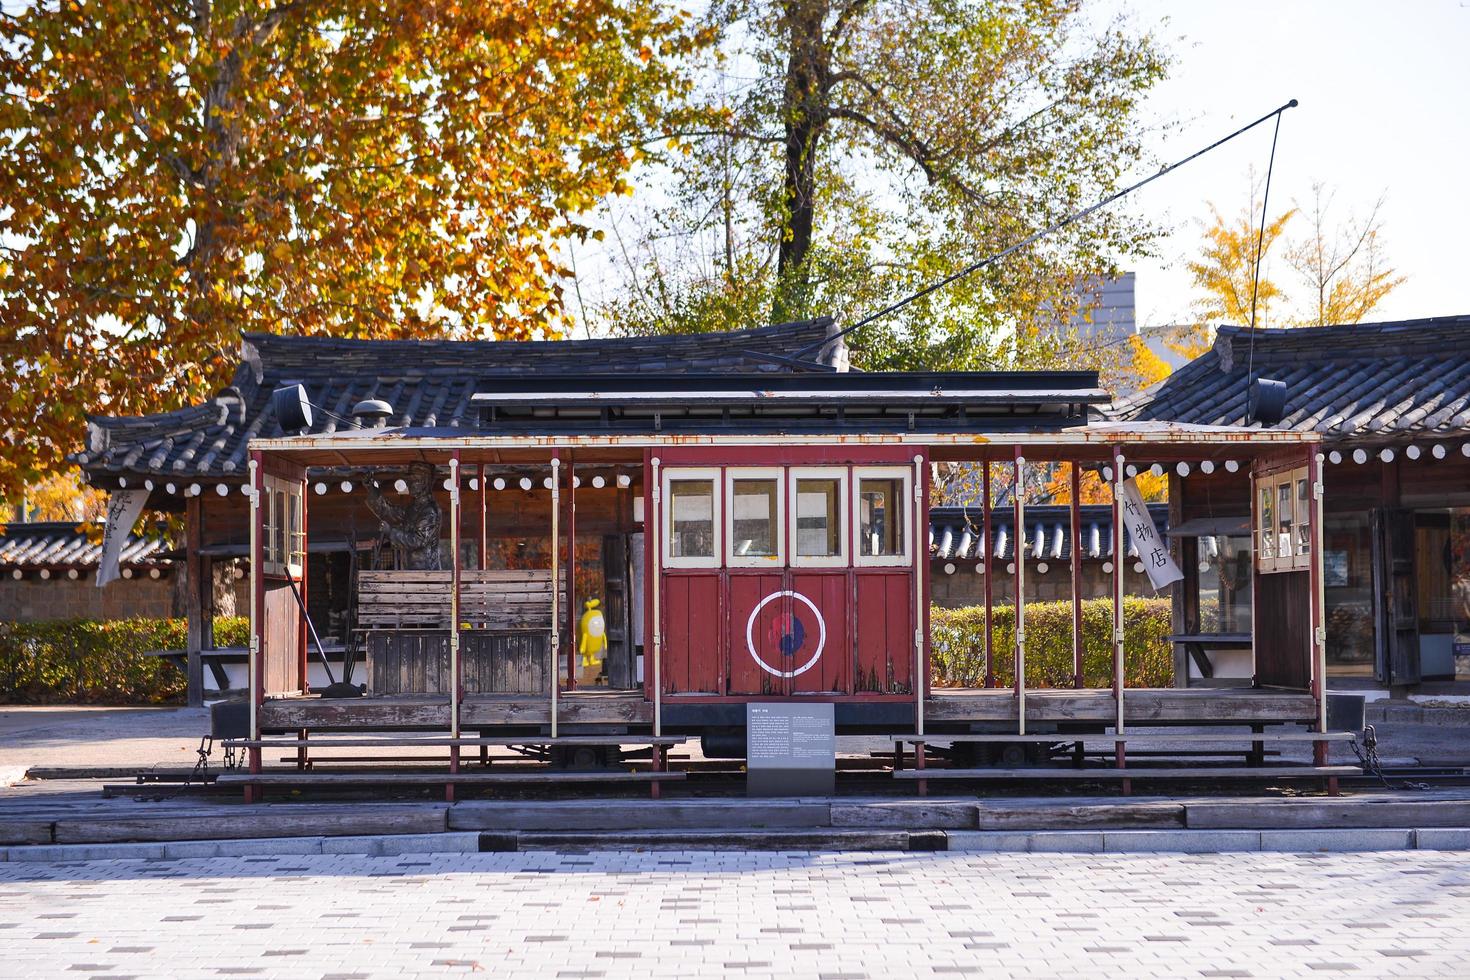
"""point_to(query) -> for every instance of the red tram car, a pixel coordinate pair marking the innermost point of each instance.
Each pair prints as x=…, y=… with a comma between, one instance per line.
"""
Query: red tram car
x=757, y=537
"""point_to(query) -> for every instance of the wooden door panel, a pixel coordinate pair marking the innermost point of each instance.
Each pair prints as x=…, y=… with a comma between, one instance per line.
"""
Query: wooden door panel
x=884, y=632
x=691, y=655
x=829, y=593
x=759, y=594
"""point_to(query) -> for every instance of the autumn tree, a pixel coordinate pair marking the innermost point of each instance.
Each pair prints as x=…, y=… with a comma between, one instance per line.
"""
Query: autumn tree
x=1341, y=264
x=1341, y=271
x=172, y=174
x=868, y=147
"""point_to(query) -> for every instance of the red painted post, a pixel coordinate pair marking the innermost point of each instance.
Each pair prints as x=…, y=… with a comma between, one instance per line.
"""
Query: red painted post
x=989, y=570
x=257, y=612
x=484, y=522
x=456, y=534
x=1076, y=531
x=571, y=571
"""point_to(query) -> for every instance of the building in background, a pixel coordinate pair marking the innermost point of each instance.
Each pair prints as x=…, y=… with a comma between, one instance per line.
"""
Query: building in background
x=48, y=571
x=1392, y=402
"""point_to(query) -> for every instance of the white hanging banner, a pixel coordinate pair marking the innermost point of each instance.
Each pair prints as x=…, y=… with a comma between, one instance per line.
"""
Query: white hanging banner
x=123, y=508
x=1152, y=550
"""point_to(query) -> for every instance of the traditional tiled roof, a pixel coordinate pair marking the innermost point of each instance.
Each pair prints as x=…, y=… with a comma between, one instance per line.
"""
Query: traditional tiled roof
x=428, y=383
x=1369, y=382
x=957, y=533
x=66, y=544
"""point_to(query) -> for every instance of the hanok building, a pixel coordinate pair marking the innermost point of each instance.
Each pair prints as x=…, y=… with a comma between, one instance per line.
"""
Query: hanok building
x=1391, y=402
x=48, y=572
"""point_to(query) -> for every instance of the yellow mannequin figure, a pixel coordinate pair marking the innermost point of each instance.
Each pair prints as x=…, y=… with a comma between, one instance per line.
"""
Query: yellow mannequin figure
x=592, y=634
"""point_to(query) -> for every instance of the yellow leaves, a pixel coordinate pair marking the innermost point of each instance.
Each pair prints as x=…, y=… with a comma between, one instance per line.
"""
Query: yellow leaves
x=281, y=252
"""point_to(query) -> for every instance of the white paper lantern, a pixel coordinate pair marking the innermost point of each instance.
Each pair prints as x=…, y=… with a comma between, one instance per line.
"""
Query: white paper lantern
x=980, y=568
x=546, y=482
x=1360, y=456
x=45, y=573
x=73, y=574
x=1386, y=455
x=221, y=489
x=576, y=482
x=1157, y=469
x=195, y=489
x=346, y=486
x=400, y=486
x=126, y=573
x=17, y=574
x=949, y=568
x=1335, y=457
x=474, y=483
x=1107, y=568
x=1465, y=449
x=147, y=484
x=599, y=481
x=1182, y=469
x=1231, y=466
x=1412, y=452
x=1010, y=568
x=448, y=484
x=154, y=573
x=1131, y=470
x=1108, y=474
x=122, y=482
x=624, y=480
x=499, y=483
x=320, y=489
x=1138, y=568
x=1438, y=451
x=1207, y=467
x=171, y=489
x=525, y=483
x=1043, y=567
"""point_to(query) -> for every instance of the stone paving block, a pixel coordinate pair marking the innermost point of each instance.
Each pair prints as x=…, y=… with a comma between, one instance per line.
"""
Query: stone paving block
x=242, y=847
x=87, y=852
x=464, y=842
x=1067, y=842
x=988, y=840
x=1182, y=841
x=1442, y=839
x=1337, y=840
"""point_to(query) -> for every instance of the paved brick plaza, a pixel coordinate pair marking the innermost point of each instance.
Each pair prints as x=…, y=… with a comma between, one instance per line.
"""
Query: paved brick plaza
x=682, y=914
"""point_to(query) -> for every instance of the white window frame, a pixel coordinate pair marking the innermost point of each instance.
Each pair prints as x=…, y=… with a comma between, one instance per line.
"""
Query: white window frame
x=776, y=474
x=710, y=474
x=844, y=515
x=274, y=524
x=905, y=474
x=1277, y=562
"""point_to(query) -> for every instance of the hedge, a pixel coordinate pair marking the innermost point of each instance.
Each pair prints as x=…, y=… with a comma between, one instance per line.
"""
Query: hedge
x=84, y=661
x=959, y=644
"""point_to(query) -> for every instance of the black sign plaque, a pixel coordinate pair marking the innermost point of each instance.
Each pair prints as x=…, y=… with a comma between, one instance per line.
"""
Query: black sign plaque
x=790, y=749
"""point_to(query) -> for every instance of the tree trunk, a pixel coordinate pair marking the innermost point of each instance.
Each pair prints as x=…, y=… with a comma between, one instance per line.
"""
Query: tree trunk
x=805, y=117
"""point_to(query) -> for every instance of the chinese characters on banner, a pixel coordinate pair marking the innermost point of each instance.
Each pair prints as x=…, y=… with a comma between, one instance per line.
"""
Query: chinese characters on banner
x=123, y=508
x=1152, y=550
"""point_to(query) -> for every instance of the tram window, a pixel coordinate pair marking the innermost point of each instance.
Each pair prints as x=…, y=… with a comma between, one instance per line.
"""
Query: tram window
x=753, y=513
x=880, y=517
x=692, y=516
x=818, y=518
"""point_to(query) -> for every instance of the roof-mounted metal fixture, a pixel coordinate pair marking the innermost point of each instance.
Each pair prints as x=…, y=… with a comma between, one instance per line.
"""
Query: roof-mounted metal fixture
x=1267, y=402
x=291, y=408
x=372, y=409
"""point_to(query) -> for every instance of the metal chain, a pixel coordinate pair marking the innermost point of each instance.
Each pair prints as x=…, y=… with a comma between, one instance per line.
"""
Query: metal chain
x=1368, y=756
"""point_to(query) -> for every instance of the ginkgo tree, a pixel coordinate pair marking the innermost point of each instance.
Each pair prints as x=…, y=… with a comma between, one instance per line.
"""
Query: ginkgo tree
x=173, y=174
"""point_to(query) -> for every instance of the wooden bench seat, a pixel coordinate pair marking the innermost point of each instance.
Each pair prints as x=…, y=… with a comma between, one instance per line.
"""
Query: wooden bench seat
x=493, y=599
x=307, y=778
x=1127, y=737
x=1134, y=772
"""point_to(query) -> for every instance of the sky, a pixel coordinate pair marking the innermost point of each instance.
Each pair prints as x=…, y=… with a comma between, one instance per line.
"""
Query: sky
x=1384, y=89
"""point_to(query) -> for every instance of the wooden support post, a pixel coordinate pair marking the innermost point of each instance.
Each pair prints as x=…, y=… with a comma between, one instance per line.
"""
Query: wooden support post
x=921, y=562
x=456, y=678
x=654, y=535
x=1120, y=757
x=1018, y=496
x=303, y=760
x=985, y=529
x=1076, y=532
x=255, y=666
x=555, y=673
x=1120, y=555
x=660, y=761
x=197, y=594
x=919, y=765
x=484, y=562
x=572, y=571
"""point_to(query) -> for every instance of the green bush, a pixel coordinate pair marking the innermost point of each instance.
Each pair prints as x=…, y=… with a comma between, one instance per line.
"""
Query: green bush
x=959, y=644
x=83, y=661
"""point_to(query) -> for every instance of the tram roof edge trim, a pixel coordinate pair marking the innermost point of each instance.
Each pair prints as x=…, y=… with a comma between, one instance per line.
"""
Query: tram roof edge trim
x=1092, y=434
